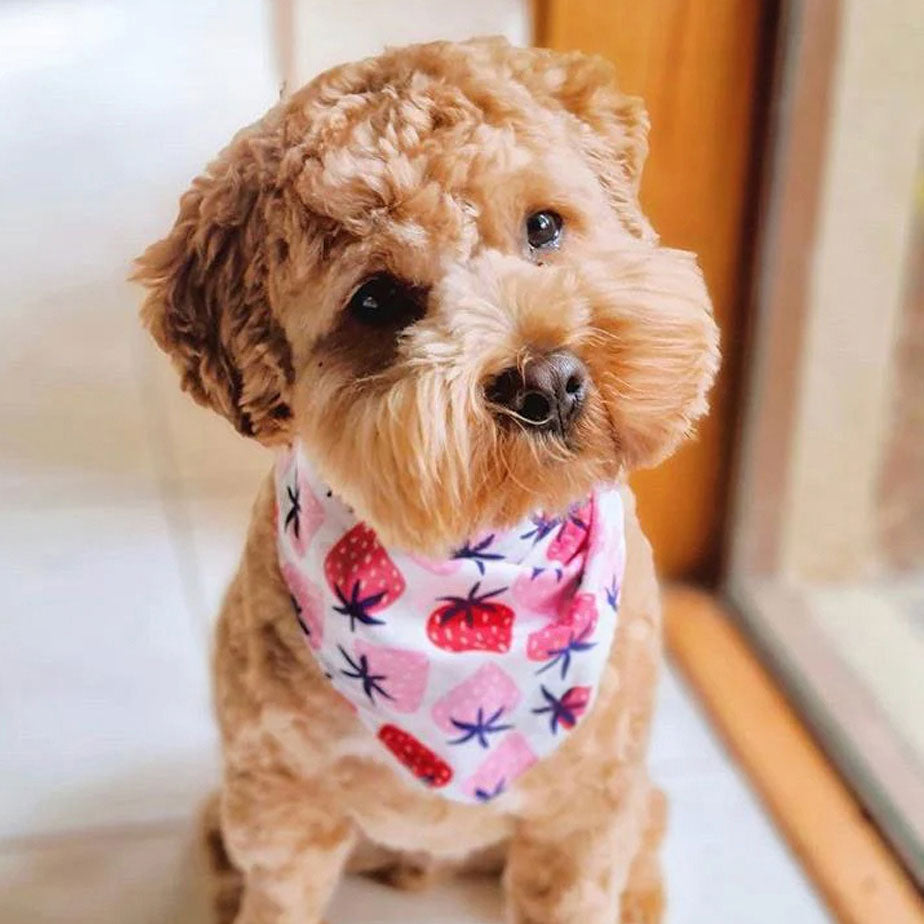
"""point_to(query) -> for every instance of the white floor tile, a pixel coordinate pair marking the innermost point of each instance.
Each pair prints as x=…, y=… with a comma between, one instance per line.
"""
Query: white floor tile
x=726, y=862
x=723, y=863
x=359, y=901
x=103, y=690
x=136, y=879
x=682, y=743
x=723, y=857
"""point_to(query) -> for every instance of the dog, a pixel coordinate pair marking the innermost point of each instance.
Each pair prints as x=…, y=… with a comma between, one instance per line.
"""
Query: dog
x=426, y=281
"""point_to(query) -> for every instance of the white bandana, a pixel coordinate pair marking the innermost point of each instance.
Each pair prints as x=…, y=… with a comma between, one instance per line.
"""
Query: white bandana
x=467, y=670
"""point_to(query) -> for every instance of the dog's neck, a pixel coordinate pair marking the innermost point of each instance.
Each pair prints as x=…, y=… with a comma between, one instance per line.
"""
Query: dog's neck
x=470, y=668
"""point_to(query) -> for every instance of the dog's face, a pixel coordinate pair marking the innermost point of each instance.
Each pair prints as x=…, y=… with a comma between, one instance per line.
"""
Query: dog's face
x=432, y=268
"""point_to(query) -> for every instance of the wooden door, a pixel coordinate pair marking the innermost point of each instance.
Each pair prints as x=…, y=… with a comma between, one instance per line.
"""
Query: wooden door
x=699, y=66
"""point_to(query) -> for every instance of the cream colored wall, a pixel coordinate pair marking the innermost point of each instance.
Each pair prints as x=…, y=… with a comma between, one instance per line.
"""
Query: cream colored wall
x=329, y=32
x=858, y=269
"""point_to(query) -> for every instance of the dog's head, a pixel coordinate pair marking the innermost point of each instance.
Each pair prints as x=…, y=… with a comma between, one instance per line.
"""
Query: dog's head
x=433, y=269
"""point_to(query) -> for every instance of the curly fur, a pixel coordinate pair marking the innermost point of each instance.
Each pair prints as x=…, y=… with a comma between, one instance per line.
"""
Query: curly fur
x=423, y=162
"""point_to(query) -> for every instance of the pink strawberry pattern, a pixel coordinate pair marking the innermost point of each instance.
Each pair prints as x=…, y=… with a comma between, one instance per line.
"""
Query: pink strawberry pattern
x=302, y=513
x=559, y=641
x=475, y=710
x=607, y=549
x=466, y=670
x=547, y=590
x=571, y=538
x=509, y=760
x=307, y=602
x=403, y=673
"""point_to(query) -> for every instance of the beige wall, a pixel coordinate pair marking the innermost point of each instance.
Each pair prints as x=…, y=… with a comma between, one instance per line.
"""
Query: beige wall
x=329, y=32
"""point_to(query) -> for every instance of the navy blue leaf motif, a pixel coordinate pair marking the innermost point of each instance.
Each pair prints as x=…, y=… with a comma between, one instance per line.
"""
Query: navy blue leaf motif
x=486, y=795
x=612, y=594
x=542, y=526
x=360, y=671
x=480, y=728
x=467, y=606
x=293, y=517
x=478, y=553
x=357, y=608
x=298, y=615
x=561, y=712
x=575, y=644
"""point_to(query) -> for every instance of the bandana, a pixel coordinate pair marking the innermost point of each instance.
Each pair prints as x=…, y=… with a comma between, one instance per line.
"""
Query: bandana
x=470, y=669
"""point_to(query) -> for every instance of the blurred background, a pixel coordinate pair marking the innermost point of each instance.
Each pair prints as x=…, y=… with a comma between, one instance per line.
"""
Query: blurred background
x=786, y=151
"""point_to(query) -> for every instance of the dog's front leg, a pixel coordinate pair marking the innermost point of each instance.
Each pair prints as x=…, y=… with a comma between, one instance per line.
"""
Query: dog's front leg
x=290, y=842
x=570, y=864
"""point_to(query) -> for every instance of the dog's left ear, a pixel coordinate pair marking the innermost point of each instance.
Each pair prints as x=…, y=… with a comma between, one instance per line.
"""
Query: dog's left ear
x=612, y=127
x=209, y=300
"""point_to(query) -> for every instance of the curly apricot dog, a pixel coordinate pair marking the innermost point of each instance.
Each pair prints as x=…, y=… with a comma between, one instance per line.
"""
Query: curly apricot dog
x=425, y=278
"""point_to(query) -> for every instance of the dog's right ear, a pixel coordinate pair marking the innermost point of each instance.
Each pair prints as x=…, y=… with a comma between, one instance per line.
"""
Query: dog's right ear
x=209, y=296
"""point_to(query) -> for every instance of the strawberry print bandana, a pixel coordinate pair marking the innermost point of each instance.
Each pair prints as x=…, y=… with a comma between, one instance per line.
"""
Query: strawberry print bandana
x=467, y=670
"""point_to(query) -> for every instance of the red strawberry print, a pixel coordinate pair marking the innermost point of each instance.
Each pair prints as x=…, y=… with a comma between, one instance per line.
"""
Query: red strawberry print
x=361, y=574
x=565, y=710
x=558, y=641
x=417, y=757
x=472, y=623
x=571, y=538
x=306, y=600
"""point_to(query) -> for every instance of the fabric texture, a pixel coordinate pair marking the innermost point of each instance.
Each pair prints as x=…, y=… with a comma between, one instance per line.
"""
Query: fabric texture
x=467, y=670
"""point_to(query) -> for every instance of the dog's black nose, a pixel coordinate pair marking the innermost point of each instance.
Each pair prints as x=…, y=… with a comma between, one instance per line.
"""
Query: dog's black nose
x=547, y=395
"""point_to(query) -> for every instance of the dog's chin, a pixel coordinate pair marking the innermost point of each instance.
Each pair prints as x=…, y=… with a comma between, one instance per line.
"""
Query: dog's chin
x=521, y=475
x=543, y=474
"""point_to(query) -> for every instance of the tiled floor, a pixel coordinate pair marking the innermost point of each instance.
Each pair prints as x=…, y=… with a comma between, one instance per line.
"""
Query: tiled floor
x=123, y=505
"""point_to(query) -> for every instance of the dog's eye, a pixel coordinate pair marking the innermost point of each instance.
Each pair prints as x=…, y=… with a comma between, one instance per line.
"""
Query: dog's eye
x=385, y=301
x=543, y=229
